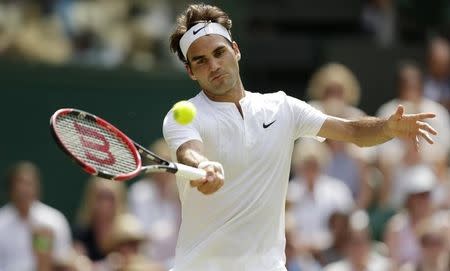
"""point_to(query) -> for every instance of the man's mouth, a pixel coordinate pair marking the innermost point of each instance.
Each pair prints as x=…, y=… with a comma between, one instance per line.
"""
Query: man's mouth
x=218, y=76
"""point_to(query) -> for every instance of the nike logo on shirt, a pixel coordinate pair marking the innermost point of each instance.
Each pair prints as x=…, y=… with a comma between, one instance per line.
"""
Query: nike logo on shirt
x=196, y=31
x=267, y=125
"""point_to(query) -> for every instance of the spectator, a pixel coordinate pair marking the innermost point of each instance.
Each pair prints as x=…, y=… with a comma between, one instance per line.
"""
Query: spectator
x=338, y=224
x=335, y=91
x=310, y=190
x=98, y=30
x=433, y=235
x=22, y=220
x=154, y=202
x=395, y=154
x=10, y=23
x=296, y=259
x=360, y=255
x=400, y=234
x=150, y=22
x=410, y=93
x=437, y=81
x=74, y=262
x=379, y=20
x=123, y=244
x=40, y=36
x=103, y=200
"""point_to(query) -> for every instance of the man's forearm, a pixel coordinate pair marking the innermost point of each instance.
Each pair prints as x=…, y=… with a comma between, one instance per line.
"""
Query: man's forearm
x=372, y=131
x=190, y=153
x=369, y=131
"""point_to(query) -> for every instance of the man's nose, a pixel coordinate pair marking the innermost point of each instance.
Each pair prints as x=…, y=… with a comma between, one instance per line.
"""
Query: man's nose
x=214, y=64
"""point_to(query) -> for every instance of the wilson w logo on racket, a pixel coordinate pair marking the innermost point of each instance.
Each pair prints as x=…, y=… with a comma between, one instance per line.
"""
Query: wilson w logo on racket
x=103, y=150
x=100, y=148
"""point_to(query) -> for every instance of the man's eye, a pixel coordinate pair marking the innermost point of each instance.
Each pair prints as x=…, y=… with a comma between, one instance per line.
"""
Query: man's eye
x=201, y=61
x=219, y=53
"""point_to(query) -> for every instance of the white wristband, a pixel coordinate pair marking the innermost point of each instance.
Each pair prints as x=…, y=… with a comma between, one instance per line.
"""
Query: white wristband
x=218, y=165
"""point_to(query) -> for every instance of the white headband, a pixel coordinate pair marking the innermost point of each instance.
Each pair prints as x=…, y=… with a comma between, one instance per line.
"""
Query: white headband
x=200, y=30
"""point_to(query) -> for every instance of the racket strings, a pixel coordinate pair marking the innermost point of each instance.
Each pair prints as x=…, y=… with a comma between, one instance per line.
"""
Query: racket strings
x=95, y=145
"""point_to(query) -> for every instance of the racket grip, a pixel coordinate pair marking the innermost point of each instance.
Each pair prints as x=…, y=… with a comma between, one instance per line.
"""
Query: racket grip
x=190, y=173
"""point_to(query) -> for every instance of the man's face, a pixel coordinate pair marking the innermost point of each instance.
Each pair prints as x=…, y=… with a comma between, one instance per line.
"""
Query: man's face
x=439, y=61
x=24, y=189
x=213, y=63
x=410, y=84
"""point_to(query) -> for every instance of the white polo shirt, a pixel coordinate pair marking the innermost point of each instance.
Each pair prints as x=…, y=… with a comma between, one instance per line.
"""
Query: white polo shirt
x=241, y=226
x=16, y=251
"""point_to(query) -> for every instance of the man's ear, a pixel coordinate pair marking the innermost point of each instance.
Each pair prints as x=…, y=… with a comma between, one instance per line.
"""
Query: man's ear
x=236, y=50
x=189, y=72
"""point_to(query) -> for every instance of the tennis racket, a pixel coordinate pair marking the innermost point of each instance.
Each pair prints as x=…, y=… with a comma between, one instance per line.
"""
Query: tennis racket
x=103, y=150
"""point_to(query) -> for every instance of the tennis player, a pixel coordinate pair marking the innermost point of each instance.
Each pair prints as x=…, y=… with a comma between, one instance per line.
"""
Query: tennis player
x=234, y=218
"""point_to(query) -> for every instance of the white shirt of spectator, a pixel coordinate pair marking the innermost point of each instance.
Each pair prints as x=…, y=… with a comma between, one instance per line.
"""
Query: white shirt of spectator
x=160, y=219
x=437, y=90
x=375, y=263
x=312, y=210
x=16, y=252
x=241, y=226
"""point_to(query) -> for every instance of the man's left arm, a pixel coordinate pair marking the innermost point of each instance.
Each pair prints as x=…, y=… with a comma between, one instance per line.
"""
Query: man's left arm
x=373, y=131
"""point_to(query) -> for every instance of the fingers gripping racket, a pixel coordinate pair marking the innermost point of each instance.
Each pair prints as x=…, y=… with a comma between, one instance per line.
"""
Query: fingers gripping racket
x=103, y=150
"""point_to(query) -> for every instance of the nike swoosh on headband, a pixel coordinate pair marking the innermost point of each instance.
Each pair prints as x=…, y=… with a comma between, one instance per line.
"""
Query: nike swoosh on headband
x=196, y=31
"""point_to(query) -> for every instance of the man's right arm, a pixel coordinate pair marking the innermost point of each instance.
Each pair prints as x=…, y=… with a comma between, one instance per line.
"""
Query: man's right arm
x=191, y=153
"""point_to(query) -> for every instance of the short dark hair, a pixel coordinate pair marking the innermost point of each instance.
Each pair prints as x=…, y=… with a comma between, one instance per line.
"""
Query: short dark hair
x=194, y=14
x=17, y=168
x=404, y=65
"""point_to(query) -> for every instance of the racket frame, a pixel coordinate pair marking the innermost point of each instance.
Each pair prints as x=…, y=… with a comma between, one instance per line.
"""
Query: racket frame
x=86, y=167
x=138, y=152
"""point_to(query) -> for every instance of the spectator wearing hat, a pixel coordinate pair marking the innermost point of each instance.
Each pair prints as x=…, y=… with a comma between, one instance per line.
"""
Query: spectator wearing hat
x=400, y=237
x=433, y=236
x=335, y=90
x=123, y=246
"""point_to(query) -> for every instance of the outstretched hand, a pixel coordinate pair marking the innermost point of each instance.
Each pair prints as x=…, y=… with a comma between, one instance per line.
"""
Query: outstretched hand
x=410, y=126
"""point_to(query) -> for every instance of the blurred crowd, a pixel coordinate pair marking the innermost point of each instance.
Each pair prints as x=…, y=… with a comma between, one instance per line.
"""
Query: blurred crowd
x=384, y=208
x=116, y=228
x=379, y=208
x=98, y=33
x=134, y=33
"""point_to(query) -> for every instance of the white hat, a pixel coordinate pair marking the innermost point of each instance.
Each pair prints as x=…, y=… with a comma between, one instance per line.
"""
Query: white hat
x=418, y=179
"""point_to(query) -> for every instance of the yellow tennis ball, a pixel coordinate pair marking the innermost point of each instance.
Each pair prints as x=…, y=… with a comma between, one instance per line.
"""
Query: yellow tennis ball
x=184, y=112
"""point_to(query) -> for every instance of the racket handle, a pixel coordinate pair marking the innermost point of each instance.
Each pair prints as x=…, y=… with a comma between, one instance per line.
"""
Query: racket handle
x=188, y=172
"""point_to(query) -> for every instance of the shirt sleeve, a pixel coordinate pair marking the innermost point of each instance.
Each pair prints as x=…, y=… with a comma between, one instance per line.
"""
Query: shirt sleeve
x=176, y=134
x=307, y=119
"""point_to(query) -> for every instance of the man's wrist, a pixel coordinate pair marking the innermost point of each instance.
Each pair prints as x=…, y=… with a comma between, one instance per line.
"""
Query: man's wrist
x=214, y=164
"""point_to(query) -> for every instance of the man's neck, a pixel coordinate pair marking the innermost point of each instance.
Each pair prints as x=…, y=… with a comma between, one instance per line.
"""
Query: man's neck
x=22, y=211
